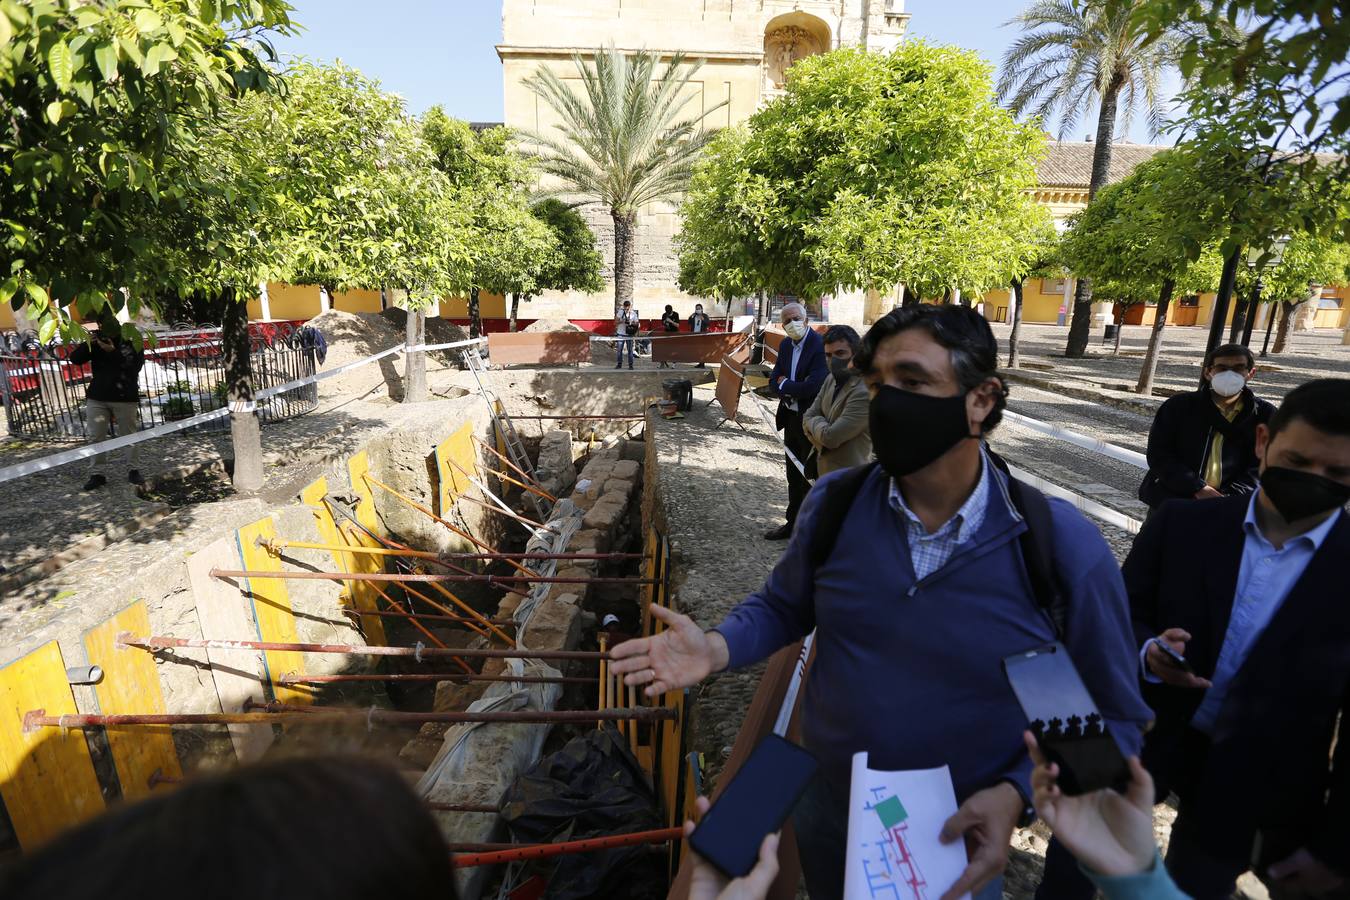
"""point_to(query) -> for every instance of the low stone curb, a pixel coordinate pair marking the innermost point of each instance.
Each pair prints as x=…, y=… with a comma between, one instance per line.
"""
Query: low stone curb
x=1146, y=406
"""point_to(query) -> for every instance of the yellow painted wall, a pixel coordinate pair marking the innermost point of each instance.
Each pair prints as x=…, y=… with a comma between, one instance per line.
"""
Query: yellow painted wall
x=490, y=306
x=357, y=301
x=293, y=301
x=1038, y=305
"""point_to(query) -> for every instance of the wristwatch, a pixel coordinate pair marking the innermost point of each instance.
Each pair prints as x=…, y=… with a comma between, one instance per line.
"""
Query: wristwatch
x=1028, y=811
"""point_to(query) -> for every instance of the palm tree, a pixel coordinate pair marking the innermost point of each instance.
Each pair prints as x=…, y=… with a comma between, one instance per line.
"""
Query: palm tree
x=624, y=142
x=1070, y=52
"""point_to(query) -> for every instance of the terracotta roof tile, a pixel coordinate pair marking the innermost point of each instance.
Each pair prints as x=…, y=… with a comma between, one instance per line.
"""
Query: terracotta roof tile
x=1069, y=163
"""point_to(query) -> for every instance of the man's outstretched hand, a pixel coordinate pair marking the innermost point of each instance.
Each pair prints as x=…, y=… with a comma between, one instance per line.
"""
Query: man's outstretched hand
x=678, y=657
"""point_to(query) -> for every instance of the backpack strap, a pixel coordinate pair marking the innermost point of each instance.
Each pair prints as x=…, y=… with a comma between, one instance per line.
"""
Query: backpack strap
x=834, y=507
x=1037, y=553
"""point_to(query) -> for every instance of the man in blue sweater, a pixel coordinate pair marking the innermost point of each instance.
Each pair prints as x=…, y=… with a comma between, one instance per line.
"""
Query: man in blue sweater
x=923, y=595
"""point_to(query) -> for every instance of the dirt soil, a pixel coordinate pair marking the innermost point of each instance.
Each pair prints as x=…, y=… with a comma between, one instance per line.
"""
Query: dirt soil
x=540, y=326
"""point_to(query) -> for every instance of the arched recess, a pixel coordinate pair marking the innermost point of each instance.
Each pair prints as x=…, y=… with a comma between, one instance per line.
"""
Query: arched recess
x=788, y=38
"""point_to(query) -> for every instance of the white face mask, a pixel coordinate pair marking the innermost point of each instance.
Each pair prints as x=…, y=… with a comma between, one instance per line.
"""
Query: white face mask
x=796, y=329
x=1228, y=384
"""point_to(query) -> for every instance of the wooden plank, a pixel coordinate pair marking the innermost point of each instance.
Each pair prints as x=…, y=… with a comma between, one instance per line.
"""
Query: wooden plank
x=47, y=777
x=695, y=348
x=329, y=533
x=131, y=685
x=730, y=378
x=363, y=593
x=272, y=611
x=546, y=348
x=224, y=614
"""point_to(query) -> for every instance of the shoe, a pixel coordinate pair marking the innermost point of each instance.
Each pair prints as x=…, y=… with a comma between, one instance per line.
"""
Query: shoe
x=135, y=477
x=781, y=533
x=630, y=367
x=620, y=366
x=95, y=481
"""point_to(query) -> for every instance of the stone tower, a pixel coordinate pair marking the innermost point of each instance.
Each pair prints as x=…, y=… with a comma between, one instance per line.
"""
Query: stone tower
x=746, y=47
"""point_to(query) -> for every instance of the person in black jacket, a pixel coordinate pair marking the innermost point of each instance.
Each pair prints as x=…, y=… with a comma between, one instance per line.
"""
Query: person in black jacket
x=1249, y=592
x=113, y=394
x=797, y=376
x=1203, y=444
x=670, y=324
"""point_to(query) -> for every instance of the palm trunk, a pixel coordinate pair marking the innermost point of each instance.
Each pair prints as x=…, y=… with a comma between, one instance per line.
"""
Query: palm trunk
x=1014, y=351
x=515, y=310
x=415, y=364
x=1081, y=324
x=475, y=315
x=245, y=431
x=1150, y=366
x=625, y=233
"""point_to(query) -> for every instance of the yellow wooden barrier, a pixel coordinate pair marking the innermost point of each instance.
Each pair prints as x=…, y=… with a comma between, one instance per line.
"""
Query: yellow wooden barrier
x=272, y=611
x=47, y=777
x=329, y=533
x=131, y=685
x=459, y=449
x=364, y=594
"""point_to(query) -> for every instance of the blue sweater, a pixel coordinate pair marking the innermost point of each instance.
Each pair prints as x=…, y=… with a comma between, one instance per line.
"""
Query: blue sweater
x=912, y=673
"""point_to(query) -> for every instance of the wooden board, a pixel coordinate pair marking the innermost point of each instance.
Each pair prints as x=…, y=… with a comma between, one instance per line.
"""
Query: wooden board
x=329, y=533
x=47, y=777
x=131, y=685
x=730, y=379
x=546, y=348
x=224, y=614
x=695, y=348
x=272, y=611
x=363, y=593
x=457, y=448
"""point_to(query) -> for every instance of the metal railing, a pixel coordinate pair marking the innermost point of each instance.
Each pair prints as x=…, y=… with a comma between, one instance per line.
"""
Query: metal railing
x=183, y=375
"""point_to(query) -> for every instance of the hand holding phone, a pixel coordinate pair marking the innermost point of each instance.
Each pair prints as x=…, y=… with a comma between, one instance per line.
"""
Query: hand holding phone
x=1165, y=659
x=756, y=803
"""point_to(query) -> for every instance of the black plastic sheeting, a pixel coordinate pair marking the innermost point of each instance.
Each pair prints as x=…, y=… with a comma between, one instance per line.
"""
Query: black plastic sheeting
x=592, y=787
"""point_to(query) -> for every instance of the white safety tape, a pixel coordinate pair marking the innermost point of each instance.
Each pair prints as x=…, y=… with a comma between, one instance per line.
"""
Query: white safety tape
x=41, y=464
x=1096, y=445
x=1083, y=504
x=780, y=725
x=773, y=429
x=331, y=373
x=426, y=348
x=610, y=338
x=243, y=406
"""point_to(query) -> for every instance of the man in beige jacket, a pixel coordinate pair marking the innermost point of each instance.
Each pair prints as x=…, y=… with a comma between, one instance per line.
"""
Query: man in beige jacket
x=836, y=422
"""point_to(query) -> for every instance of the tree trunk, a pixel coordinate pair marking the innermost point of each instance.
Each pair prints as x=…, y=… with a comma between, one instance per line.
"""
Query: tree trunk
x=1014, y=352
x=1150, y=366
x=1282, y=329
x=1080, y=325
x=625, y=228
x=245, y=431
x=415, y=362
x=515, y=310
x=910, y=298
x=475, y=315
x=1119, y=322
x=1239, y=317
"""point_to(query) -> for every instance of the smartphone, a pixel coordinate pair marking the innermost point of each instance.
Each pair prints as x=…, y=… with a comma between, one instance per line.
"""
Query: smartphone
x=1062, y=715
x=756, y=803
x=1175, y=656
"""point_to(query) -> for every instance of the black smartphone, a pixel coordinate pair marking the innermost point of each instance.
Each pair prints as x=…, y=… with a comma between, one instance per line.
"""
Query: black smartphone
x=756, y=803
x=1062, y=715
x=1175, y=656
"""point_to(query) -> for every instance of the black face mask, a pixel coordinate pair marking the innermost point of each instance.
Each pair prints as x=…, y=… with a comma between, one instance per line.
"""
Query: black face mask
x=910, y=430
x=1298, y=495
x=839, y=368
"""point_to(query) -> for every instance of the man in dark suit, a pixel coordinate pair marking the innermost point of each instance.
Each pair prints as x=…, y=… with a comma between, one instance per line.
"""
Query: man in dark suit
x=1202, y=444
x=797, y=376
x=1242, y=614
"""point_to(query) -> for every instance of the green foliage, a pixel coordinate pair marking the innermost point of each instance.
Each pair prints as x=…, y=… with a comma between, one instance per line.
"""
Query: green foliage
x=1284, y=60
x=1072, y=51
x=95, y=97
x=178, y=387
x=1309, y=260
x=1150, y=227
x=870, y=171
x=573, y=263
x=178, y=407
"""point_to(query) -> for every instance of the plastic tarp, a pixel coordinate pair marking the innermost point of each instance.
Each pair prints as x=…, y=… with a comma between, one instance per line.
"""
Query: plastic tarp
x=592, y=787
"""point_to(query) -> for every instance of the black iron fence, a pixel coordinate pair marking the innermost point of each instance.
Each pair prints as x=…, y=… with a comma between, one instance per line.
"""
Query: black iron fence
x=183, y=375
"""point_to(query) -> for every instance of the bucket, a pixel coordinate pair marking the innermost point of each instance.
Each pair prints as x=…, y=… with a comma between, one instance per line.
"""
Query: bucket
x=680, y=390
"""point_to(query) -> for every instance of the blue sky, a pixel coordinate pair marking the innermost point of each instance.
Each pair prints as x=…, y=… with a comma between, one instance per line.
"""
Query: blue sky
x=443, y=51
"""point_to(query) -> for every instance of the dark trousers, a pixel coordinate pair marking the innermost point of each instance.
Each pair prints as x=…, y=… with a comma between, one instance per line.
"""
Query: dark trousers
x=1196, y=870
x=800, y=445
